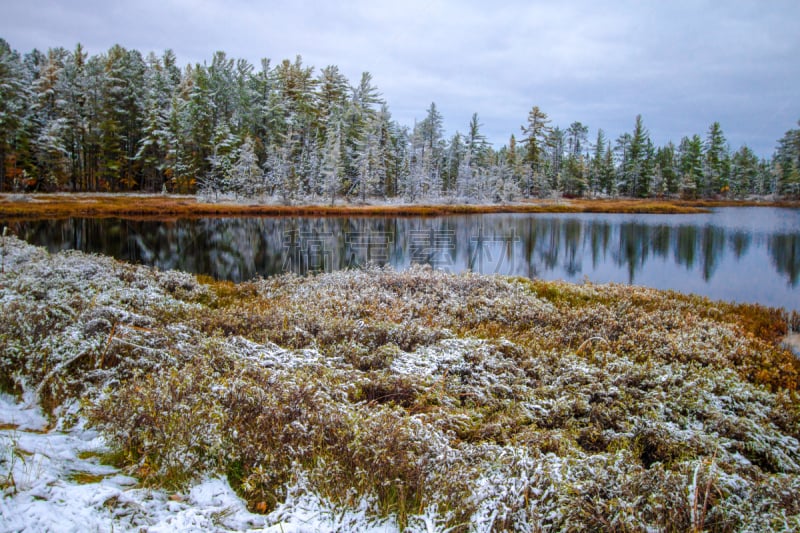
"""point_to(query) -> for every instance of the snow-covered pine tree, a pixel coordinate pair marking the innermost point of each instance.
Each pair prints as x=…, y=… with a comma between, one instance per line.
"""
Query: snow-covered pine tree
x=14, y=100
x=332, y=164
x=787, y=164
x=690, y=155
x=452, y=164
x=596, y=162
x=535, y=133
x=716, y=165
x=157, y=139
x=744, y=172
x=245, y=176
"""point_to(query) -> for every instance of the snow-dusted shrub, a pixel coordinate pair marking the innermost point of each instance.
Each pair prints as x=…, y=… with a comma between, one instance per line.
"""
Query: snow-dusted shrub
x=166, y=423
x=469, y=402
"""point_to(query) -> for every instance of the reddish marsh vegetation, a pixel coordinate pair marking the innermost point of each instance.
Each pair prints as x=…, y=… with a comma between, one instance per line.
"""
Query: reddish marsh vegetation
x=155, y=206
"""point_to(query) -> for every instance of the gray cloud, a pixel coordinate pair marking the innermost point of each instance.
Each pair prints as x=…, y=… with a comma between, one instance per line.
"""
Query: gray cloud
x=681, y=64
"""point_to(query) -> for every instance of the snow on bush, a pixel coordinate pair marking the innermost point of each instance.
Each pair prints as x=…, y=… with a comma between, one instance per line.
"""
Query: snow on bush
x=385, y=400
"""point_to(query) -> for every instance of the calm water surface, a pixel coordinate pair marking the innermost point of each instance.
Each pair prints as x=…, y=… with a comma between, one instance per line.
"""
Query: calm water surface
x=740, y=254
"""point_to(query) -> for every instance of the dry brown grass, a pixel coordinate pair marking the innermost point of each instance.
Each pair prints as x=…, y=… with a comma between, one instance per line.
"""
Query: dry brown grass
x=164, y=207
x=63, y=205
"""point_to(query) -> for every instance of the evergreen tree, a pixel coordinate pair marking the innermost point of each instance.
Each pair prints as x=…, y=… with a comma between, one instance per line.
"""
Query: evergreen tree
x=608, y=182
x=404, y=157
x=787, y=164
x=332, y=166
x=477, y=146
x=576, y=135
x=264, y=113
x=387, y=156
x=790, y=182
x=245, y=175
x=555, y=156
x=744, y=172
x=515, y=164
x=361, y=137
x=428, y=152
x=535, y=137
x=332, y=92
x=223, y=156
x=637, y=171
x=94, y=74
x=310, y=169
x=766, y=182
x=71, y=88
x=156, y=139
x=178, y=166
x=502, y=184
x=450, y=172
x=472, y=163
x=667, y=169
x=281, y=175
x=295, y=101
x=52, y=161
x=575, y=175
x=367, y=167
x=690, y=155
x=622, y=151
x=197, y=125
x=716, y=163
x=596, y=163
x=121, y=118
x=14, y=99
x=467, y=180
x=292, y=154
x=245, y=101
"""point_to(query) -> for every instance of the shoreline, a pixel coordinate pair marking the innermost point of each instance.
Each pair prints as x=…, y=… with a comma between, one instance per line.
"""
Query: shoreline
x=155, y=206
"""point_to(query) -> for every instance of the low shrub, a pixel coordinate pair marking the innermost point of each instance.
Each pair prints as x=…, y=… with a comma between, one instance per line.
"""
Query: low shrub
x=490, y=403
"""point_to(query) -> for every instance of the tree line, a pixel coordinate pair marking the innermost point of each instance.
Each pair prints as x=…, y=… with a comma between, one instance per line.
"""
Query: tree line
x=121, y=121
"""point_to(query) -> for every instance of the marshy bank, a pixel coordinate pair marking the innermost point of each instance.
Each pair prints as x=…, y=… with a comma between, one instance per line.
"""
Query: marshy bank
x=61, y=205
x=420, y=397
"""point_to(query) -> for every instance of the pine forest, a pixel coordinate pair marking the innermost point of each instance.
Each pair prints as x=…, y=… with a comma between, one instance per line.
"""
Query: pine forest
x=121, y=121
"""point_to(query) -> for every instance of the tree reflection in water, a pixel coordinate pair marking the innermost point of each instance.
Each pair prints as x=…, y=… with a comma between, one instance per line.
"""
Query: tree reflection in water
x=717, y=255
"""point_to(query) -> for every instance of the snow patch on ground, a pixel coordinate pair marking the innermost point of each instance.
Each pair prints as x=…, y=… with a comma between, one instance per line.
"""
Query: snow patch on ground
x=430, y=360
x=305, y=512
x=53, y=481
x=23, y=416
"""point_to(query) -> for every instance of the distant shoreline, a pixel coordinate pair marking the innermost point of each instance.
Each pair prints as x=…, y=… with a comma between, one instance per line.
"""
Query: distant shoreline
x=155, y=206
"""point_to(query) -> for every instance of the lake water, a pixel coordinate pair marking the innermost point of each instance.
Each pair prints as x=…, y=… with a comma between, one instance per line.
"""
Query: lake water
x=739, y=254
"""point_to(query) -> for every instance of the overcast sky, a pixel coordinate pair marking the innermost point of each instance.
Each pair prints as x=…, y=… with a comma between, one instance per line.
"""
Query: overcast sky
x=680, y=64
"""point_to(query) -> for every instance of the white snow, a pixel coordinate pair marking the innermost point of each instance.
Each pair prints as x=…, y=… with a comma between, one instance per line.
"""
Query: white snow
x=306, y=512
x=428, y=360
x=26, y=415
x=45, y=473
